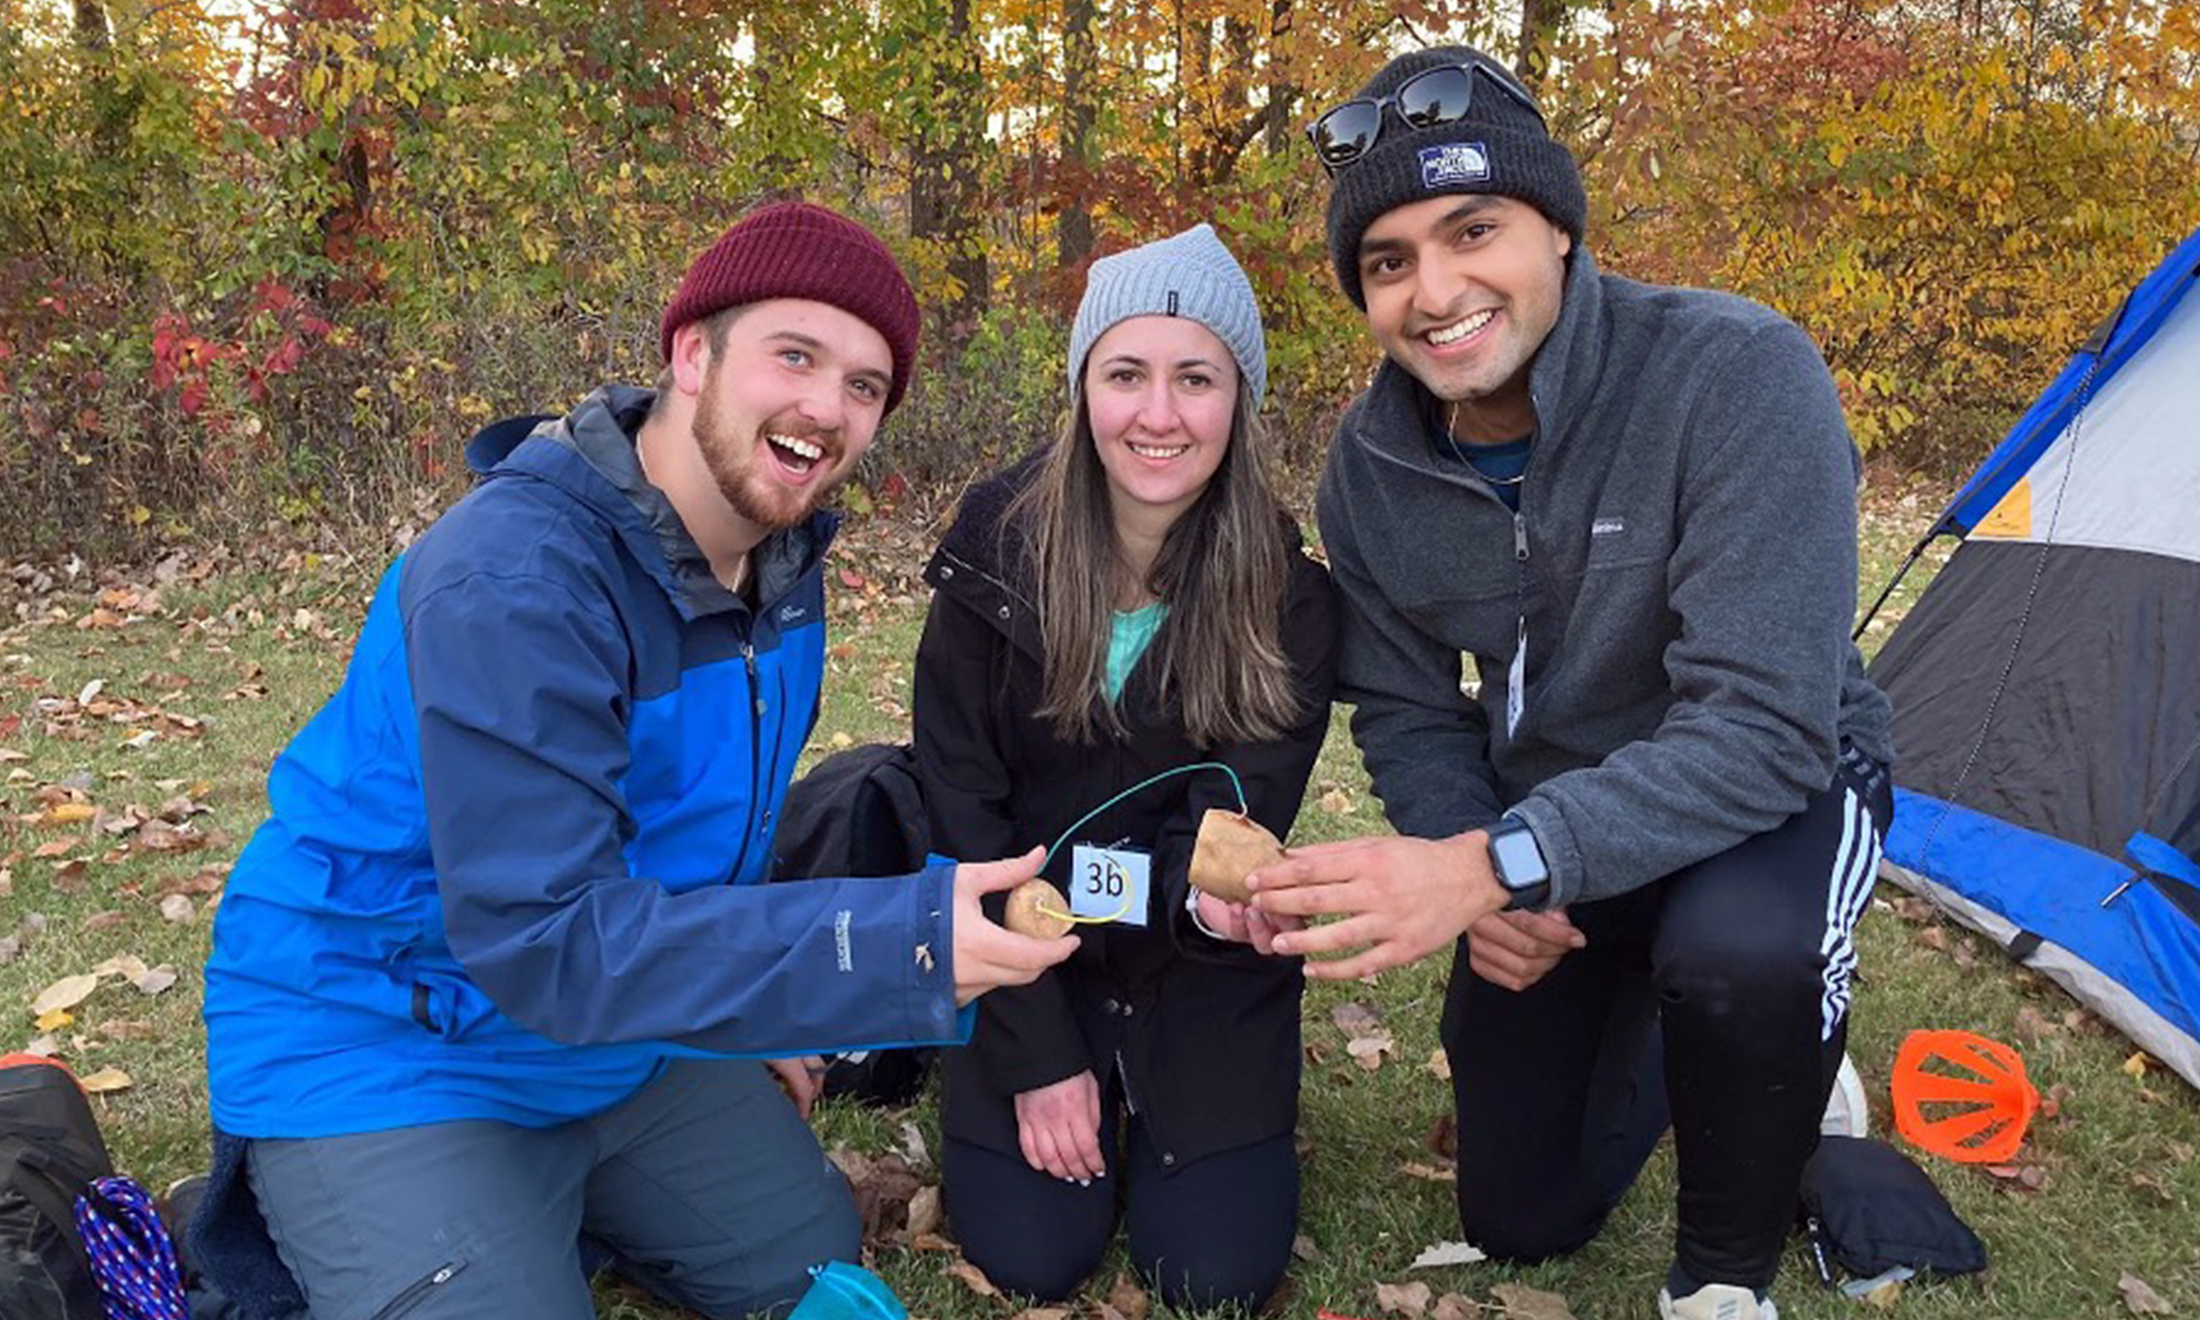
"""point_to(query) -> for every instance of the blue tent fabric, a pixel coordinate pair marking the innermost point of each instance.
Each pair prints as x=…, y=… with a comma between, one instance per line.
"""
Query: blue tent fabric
x=2133, y=325
x=2046, y=690
x=2091, y=905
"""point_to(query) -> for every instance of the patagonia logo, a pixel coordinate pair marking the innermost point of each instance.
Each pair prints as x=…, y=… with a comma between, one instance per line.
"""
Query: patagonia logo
x=792, y=614
x=1172, y=302
x=842, y=953
x=1608, y=527
x=1454, y=163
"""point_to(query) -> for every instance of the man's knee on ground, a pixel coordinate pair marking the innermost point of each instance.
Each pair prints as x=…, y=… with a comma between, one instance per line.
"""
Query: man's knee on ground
x=1525, y=1231
x=775, y=1275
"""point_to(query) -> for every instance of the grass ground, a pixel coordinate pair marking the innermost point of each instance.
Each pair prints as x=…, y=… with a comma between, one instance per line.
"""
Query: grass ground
x=138, y=716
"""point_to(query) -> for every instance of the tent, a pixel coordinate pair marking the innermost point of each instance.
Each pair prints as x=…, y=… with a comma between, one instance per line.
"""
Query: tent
x=2047, y=683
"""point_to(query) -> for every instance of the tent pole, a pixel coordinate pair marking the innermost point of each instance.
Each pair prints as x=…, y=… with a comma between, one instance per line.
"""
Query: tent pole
x=1916, y=552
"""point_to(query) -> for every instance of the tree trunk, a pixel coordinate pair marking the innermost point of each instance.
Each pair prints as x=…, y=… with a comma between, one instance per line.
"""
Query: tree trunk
x=1276, y=132
x=1073, y=236
x=1542, y=22
x=944, y=195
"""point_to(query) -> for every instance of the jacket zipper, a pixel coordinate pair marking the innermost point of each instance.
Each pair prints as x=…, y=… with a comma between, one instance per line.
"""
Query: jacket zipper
x=418, y=1289
x=756, y=745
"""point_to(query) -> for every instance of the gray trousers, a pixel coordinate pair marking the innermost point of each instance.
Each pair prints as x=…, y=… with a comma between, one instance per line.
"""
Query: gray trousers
x=705, y=1187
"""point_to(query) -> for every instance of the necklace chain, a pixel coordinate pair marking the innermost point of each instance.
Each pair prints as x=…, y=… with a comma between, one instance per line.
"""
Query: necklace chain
x=1452, y=419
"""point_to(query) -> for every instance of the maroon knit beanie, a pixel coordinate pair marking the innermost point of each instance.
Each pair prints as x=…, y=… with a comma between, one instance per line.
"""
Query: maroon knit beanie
x=796, y=250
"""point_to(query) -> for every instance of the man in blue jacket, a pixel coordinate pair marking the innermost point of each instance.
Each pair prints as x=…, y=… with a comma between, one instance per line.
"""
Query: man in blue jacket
x=482, y=985
x=1652, y=819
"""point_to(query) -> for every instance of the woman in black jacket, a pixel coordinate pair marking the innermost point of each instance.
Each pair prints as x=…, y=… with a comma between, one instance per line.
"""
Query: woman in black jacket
x=1131, y=601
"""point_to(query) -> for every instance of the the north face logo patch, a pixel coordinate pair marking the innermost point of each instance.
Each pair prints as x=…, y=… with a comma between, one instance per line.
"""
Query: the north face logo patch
x=1454, y=163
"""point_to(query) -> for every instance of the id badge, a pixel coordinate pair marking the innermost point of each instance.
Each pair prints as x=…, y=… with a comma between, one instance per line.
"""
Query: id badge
x=1109, y=882
x=1516, y=682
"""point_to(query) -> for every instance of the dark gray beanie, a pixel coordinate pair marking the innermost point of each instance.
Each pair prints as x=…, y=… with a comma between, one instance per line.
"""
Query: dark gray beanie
x=1500, y=147
x=1191, y=275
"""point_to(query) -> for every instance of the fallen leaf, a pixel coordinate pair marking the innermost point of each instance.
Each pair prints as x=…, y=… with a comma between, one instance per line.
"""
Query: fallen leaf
x=924, y=1211
x=2136, y=1065
x=1448, y=1253
x=105, y=1080
x=54, y=848
x=1428, y=1172
x=932, y=1242
x=2140, y=1299
x=1438, y=1065
x=1525, y=1303
x=155, y=981
x=126, y=1029
x=90, y=690
x=54, y=1020
x=913, y=1148
x=68, y=877
x=1886, y=1296
x=1354, y=1018
x=1404, y=1298
x=68, y=813
x=1368, y=1051
x=43, y=1047
x=1042, y=1313
x=1129, y=1300
x=67, y=992
x=177, y=908
x=1443, y=1136
x=1337, y=802
x=128, y=966
x=973, y=1278
x=1452, y=1306
x=107, y=920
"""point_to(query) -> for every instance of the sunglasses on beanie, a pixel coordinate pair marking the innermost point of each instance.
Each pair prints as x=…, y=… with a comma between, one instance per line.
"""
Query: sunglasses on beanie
x=1441, y=95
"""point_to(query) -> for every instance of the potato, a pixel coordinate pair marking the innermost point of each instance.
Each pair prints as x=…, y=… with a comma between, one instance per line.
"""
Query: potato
x=1231, y=847
x=1035, y=909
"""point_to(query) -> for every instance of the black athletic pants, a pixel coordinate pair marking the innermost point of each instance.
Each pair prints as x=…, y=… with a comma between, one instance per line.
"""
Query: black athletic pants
x=1212, y=1233
x=1717, y=998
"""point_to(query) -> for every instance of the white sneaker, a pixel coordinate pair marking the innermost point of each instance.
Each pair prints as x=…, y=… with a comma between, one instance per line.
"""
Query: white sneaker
x=1848, y=1111
x=1716, y=1301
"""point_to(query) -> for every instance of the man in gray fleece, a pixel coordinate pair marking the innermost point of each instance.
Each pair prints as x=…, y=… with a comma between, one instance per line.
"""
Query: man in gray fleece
x=1650, y=814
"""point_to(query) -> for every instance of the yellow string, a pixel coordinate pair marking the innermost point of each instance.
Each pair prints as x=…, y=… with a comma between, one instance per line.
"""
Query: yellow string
x=1045, y=911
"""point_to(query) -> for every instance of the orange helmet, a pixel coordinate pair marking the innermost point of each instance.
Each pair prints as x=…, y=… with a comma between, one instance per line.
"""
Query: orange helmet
x=1978, y=1085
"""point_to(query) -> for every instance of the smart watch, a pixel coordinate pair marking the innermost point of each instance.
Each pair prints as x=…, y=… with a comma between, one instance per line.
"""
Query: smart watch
x=1518, y=861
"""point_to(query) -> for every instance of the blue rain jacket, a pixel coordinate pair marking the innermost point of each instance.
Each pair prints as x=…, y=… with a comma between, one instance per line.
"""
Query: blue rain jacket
x=517, y=861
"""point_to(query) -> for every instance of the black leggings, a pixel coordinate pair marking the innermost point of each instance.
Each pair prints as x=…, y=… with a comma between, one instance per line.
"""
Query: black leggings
x=1215, y=1232
x=1717, y=998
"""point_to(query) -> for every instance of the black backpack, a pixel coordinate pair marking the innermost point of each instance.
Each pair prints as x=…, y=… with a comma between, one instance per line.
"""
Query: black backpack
x=50, y=1151
x=860, y=812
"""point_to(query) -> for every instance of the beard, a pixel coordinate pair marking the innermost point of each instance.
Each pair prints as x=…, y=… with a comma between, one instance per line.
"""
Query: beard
x=738, y=464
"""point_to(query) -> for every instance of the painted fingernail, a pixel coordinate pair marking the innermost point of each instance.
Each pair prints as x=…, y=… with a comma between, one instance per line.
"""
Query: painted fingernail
x=1084, y=1182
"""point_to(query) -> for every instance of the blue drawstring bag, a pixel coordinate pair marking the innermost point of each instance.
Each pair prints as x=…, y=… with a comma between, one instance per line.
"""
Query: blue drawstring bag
x=840, y=1291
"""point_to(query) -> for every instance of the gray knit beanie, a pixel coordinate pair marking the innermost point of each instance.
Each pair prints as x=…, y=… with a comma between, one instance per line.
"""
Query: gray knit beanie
x=1500, y=146
x=1191, y=275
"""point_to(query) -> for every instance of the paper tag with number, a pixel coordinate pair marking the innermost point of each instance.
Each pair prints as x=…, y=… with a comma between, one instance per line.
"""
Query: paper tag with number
x=1516, y=682
x=1109, y=882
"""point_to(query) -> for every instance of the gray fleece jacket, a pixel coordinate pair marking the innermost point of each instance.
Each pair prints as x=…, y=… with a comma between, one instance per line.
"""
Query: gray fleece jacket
x=1683, y=567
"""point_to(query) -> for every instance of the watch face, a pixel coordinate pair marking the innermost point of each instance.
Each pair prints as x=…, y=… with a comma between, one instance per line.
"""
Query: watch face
x=1518, y=860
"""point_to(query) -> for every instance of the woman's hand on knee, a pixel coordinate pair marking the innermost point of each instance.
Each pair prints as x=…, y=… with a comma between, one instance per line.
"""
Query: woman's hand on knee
x=1058, y=1126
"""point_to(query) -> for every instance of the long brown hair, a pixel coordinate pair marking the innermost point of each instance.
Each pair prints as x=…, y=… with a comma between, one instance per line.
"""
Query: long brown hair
x=1221, y=570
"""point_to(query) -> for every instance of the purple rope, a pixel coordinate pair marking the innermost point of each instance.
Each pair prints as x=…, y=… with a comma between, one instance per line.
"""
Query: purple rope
x=133, y=1259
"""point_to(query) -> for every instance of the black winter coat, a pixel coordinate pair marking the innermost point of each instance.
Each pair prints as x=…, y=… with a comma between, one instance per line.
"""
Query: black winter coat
x=1203, y=1033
